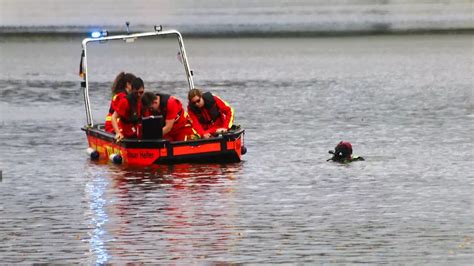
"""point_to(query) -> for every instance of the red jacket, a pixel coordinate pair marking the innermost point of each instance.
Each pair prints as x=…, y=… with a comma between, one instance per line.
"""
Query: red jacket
x=174, y=111
x=224, y=120
x=128, y=122
x=113, y=106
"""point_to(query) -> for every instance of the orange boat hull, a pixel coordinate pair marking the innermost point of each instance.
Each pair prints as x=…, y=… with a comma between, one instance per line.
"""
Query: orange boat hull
x=225, y=148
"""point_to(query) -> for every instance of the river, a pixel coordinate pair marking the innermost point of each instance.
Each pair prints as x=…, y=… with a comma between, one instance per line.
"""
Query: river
x=404, y=102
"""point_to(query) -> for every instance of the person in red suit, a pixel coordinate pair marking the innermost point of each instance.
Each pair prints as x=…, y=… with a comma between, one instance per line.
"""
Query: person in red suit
x=121, y=87
x=177, y=126
x=127, y=115
x=209, y=114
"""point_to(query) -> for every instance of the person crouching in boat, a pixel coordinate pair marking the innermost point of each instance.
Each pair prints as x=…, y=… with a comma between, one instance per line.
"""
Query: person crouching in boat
x=121, y=87
x=127, y=115
x=343, y=153
x=209, y=114
x=177, y=125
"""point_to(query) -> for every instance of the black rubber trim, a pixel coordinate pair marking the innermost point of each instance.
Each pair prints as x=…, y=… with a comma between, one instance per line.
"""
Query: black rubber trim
x=229, y=156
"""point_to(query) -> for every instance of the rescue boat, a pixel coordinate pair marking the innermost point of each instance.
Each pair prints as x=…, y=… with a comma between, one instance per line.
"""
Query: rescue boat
x=225, y=148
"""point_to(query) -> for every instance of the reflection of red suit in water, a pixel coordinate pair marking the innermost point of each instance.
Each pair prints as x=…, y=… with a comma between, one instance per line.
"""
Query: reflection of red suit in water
x=172, y=109
x=180, y=208
x=113, y=106
x=129, y=111
x=215, y=114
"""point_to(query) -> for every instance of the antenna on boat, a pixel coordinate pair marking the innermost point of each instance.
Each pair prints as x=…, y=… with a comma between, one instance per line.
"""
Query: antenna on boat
x=129, y=39
x=127, y=24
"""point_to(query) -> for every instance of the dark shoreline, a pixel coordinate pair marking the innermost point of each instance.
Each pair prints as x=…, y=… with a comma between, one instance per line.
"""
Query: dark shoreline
x=25, y=32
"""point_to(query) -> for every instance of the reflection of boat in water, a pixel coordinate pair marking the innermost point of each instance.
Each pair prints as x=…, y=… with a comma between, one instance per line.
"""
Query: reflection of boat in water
x=166, y=213
x=178, y=176
x=228, y=147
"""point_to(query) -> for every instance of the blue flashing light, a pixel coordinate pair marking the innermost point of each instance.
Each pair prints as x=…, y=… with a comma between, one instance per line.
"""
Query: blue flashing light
x=96, y=34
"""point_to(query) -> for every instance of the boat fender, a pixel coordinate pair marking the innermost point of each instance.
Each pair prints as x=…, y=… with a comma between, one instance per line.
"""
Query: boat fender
x=115, y=158
x=243, y=150
x=93, y=154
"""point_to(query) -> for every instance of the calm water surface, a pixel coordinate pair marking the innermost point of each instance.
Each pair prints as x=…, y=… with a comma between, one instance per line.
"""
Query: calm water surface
x=405, y=102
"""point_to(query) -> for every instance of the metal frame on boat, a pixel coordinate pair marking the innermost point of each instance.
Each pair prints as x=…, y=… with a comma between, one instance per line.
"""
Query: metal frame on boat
x=228, y=147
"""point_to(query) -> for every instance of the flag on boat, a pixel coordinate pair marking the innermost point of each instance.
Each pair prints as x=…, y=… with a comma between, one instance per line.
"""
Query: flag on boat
x=81, y=66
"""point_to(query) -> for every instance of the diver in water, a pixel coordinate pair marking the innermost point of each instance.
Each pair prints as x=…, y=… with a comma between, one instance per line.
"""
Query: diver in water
x=343, y=153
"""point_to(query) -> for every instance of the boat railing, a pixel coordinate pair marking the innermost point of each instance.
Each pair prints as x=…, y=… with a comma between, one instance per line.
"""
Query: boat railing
x=127, y=38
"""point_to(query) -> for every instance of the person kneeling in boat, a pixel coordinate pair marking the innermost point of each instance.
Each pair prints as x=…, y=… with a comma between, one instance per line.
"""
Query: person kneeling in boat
x=177, y=125
x=343, y=153
x=121, y=87
x=127, y=115
x=210, y=114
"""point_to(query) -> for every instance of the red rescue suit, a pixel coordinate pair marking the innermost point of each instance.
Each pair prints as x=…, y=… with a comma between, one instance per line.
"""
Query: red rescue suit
x=215, y=114
x=113, y=106
x=172, y=109
x=129, y=111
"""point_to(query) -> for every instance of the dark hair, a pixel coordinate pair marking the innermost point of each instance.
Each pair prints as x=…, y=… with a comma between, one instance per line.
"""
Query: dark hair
x=147, y=99
x=137, y=83
x=194, y=92
x=120, y=82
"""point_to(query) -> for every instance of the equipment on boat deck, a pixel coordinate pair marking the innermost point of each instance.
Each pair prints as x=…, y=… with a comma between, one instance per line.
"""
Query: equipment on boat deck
x=152, y=127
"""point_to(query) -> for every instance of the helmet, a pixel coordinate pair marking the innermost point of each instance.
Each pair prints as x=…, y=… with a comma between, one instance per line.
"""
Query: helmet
x=343, y=150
